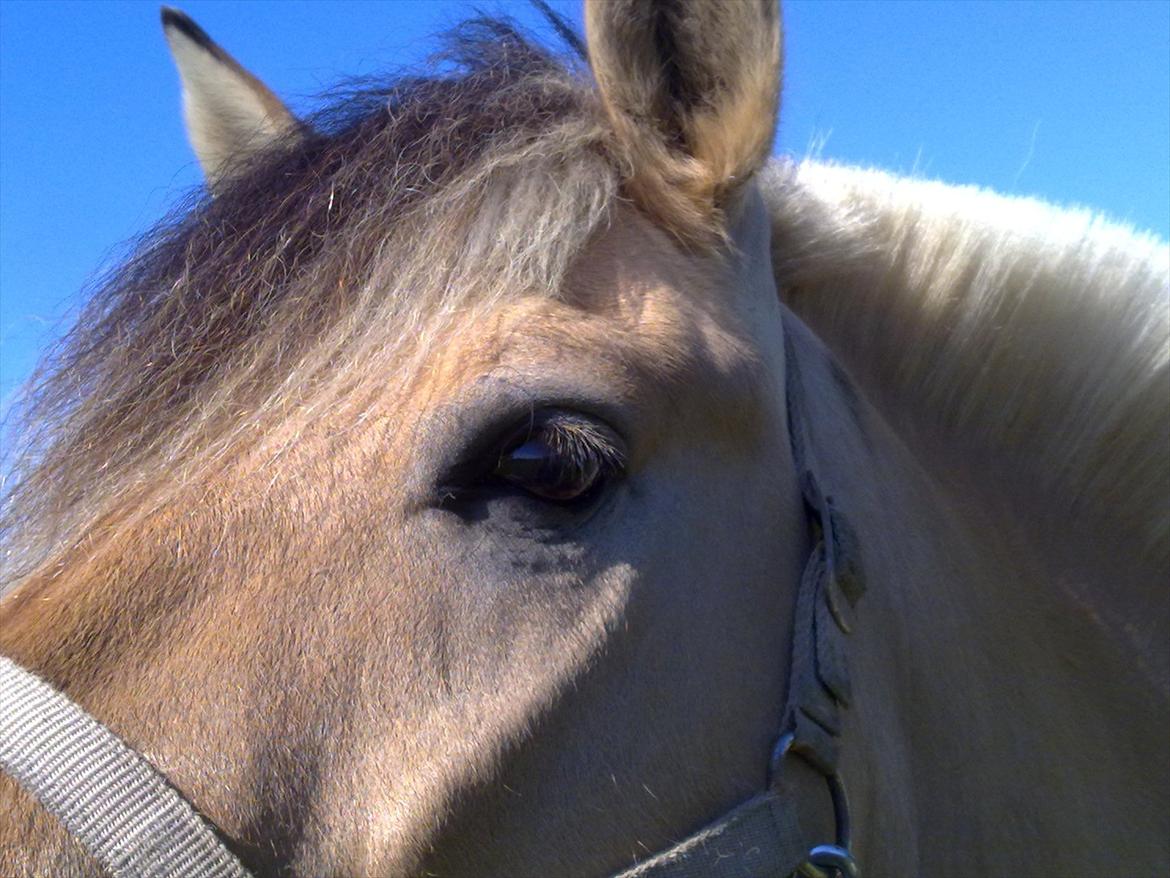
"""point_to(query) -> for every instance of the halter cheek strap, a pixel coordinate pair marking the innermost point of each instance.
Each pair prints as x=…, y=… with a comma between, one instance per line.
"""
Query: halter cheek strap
x=764, y=837
x=129, y=818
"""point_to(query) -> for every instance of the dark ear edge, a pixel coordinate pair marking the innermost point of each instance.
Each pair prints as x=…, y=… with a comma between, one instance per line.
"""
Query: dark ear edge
x=178, y=20
x=230, y=115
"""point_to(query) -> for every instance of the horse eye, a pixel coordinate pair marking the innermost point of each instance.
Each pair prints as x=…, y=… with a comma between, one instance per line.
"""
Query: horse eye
x=560, y=461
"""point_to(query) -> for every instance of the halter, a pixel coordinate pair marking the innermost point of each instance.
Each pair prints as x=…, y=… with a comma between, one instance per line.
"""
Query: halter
x=136, y=825
x=764, y=836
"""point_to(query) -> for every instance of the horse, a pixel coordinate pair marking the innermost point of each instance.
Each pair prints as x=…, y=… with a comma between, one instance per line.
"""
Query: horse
x=512, y=470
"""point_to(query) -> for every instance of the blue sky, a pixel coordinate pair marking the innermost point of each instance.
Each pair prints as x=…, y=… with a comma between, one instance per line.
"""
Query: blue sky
x=1068, y=101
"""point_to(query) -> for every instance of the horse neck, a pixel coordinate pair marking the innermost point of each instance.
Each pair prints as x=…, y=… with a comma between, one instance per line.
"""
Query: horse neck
x=1027, y=719
x=1020, y=345
x=994, y=706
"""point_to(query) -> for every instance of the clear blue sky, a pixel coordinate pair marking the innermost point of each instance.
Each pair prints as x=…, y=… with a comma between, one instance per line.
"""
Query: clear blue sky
x=1066, y=100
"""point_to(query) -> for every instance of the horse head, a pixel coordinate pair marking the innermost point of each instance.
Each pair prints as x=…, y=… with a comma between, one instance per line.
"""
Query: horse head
x=446, y=517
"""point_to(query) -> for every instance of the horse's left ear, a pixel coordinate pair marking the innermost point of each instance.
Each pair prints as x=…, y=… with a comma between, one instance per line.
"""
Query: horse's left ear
x=230, y=114
x=691, y=88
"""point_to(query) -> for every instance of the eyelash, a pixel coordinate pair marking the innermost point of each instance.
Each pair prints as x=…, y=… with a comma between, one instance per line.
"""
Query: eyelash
x=574, y=436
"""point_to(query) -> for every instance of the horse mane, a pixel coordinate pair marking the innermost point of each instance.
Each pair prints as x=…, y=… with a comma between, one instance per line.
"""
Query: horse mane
x=1036, y=335
x=315, y=269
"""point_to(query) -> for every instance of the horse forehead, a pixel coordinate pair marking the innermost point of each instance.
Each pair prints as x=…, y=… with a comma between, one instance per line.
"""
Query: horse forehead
x=686, y=307
x=634, y=307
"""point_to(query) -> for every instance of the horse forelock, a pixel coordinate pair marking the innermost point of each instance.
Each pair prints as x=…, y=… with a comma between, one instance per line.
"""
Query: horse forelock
x=403, y=203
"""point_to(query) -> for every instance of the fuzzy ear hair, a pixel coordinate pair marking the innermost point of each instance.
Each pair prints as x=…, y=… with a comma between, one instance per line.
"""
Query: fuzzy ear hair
x=691, y=89
x=230, y=114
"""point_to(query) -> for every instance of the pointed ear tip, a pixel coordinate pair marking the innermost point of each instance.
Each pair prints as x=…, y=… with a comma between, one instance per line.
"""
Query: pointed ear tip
x=175, y=21
x=172, y=17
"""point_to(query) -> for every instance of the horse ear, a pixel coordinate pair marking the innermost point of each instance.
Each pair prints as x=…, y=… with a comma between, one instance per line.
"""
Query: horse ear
x=230, y=114
x=691, y=89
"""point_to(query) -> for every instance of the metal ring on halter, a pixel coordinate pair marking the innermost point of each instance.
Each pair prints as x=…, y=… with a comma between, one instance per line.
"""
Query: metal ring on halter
x=829, y=861
x=825, y=860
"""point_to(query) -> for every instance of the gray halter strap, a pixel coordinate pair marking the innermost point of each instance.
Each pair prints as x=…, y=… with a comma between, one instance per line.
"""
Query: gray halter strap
x=126, y=814
x=764, y=837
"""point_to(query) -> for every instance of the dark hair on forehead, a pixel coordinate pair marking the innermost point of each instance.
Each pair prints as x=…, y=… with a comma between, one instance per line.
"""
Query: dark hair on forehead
x=262, y=285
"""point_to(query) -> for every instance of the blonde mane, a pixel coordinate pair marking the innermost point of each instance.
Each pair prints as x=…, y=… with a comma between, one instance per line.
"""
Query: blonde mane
x=1036, y=335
